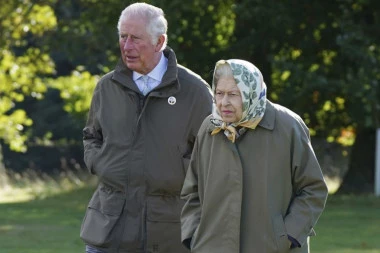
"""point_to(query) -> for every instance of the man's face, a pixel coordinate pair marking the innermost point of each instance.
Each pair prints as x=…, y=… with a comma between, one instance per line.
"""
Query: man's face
x=137, y=50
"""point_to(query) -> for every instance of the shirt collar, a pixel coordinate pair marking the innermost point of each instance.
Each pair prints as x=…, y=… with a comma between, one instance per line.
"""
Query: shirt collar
x=158, y=72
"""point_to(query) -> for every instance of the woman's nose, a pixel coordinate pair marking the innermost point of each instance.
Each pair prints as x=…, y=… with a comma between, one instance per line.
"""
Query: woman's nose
x=225, y=100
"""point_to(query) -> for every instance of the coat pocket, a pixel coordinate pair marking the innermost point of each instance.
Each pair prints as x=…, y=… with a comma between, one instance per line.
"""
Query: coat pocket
x=281, y=235
x=163, y=224
x=103, y=212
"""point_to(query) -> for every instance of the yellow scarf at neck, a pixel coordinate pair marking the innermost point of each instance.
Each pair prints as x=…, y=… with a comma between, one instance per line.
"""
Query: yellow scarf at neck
x=230, y=130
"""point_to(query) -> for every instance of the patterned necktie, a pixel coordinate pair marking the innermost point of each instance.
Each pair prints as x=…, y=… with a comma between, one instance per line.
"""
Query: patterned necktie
x=145, y=88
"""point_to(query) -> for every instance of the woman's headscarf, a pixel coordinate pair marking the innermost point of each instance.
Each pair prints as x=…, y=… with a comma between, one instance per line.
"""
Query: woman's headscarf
x=253, y=92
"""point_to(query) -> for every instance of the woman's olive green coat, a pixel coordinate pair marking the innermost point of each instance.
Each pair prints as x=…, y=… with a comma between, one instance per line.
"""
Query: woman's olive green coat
x=248, y=196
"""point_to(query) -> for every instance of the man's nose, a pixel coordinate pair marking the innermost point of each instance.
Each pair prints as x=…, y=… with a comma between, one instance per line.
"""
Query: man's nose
x=128, y=44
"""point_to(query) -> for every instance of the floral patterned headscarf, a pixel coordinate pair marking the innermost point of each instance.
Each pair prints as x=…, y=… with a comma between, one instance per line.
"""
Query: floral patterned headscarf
x=253, y=92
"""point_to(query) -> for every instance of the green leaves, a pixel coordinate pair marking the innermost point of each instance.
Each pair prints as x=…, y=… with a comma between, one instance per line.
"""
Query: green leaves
x=322, y=62
x=11, y=129
x=22, y=65
x=76, y=90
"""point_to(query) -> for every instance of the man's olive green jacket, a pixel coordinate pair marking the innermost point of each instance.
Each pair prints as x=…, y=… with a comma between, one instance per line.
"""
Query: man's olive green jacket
x=139, y=148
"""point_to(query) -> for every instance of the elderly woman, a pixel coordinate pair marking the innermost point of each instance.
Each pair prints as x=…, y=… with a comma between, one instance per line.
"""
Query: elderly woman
x=253, y=183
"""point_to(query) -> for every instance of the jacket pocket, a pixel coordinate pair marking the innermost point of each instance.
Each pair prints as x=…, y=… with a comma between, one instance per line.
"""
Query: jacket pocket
x=103, y=212
x=281, y=236
x=90, y=159
x=163, y=227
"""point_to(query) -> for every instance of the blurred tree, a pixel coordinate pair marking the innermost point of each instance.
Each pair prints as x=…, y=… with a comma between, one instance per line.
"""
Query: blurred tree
x=23, y=64
x=197, y=32
x=84, y=45
x=321, y=59
x=360, y=55
x=3, y=173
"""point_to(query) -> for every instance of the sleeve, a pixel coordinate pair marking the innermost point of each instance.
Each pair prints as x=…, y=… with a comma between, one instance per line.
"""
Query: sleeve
x=294, y=242
x=309, y=188
x=191, y=212
x=203, y=108
x=92, y=134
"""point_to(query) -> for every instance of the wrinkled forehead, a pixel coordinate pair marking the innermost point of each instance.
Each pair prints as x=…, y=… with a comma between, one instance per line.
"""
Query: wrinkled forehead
x=133, y=26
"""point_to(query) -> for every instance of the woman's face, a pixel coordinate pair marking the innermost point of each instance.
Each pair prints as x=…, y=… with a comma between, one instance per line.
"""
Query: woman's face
x=228, y=100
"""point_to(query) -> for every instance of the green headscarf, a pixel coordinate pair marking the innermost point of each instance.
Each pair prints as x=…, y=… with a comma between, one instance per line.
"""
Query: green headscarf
x=253, y=92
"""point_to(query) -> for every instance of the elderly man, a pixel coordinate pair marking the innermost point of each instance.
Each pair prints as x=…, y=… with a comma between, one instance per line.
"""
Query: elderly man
x=138, y=139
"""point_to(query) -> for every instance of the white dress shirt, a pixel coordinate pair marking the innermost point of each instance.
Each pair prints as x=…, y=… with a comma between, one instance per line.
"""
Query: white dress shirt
x=154, y=77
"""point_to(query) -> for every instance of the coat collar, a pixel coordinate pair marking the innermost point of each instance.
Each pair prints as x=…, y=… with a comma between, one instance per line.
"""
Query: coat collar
x=168, y=86
x=269, y=117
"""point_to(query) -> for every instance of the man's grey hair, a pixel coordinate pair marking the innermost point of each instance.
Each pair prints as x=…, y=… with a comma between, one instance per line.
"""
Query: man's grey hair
x=157, y=24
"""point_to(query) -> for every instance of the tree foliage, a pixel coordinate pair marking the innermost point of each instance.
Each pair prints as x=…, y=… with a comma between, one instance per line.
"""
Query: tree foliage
x=319, y=58
x=323, y=61
x=23, y=64
x=86, y=25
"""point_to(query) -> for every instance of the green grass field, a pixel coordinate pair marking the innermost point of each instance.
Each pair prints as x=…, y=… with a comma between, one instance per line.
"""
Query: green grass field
x=350, y=224
x=49, y=225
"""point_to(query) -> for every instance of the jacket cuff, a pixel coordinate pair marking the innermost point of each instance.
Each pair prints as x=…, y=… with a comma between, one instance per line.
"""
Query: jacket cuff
x=295, y=243
x=187, y=242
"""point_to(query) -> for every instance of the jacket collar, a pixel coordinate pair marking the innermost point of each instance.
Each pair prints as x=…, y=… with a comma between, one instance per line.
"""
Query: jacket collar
x=168, y=86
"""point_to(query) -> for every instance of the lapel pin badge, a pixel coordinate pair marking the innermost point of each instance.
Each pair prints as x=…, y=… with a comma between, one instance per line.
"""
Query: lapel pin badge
x=172, y=100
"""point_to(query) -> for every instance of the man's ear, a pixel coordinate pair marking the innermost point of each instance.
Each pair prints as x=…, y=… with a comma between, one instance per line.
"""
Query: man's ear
x=160, y=42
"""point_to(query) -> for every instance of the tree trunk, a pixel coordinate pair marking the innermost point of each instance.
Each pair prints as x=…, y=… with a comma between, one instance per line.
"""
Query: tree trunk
x=360, y=176
x=3, y=173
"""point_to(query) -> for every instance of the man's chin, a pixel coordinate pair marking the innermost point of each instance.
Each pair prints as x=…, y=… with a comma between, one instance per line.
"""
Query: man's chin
x=131, y=65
